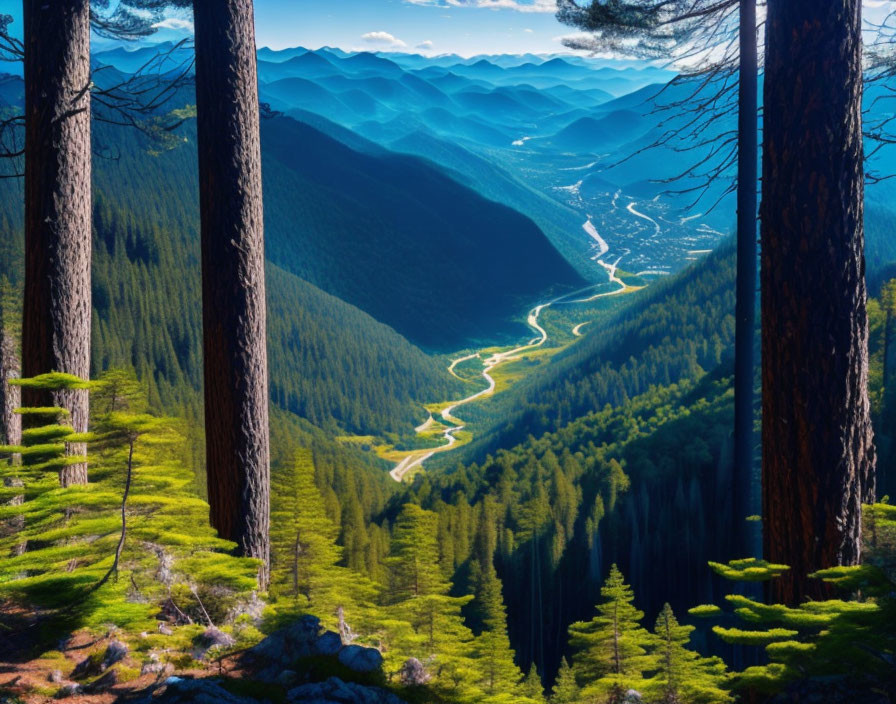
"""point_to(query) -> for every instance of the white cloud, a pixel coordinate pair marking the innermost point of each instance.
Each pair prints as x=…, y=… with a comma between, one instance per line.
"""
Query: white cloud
x=529, y=31
x=175, y=23
x=425, y=45
x=382, y=38
x=544, y=6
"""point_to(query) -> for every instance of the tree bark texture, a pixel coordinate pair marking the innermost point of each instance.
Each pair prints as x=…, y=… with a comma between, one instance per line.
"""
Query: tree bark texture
x=233, y=285
x=818, y=458
x=57, y=309
x=746, y=538
x=10, y=396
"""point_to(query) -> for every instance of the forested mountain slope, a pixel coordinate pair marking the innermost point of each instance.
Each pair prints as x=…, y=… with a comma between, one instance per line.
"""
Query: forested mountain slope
x=618, y=452
x=677, y=329
x=399, y=238
x=146, y=283
x=588, y=465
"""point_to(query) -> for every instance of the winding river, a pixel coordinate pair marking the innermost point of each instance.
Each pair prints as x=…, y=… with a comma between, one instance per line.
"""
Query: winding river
x=416, y=459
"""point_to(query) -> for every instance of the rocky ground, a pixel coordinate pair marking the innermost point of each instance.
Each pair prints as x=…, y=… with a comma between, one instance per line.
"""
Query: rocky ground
x=299, y=664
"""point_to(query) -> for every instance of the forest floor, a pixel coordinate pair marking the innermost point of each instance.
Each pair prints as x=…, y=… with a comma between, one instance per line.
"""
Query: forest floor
x=44, y=679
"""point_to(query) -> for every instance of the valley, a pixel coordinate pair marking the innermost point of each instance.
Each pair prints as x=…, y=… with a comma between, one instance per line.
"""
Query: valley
x=448, y=428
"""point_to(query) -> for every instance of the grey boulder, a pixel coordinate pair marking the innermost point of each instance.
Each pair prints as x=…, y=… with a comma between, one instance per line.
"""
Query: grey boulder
x=361, y=659
x=335, y=691
x=328, y=644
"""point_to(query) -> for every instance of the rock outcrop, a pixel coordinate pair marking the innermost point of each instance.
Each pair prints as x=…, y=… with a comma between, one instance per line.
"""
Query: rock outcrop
x=304, y=639
x=278, y=660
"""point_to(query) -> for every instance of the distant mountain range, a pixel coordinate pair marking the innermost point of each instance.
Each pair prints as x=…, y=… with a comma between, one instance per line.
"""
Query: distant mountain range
x=511, y=127
x=509, y=161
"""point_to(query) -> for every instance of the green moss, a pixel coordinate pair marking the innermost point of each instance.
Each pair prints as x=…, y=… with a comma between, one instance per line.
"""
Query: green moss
x=182, y=661
x=127, y=674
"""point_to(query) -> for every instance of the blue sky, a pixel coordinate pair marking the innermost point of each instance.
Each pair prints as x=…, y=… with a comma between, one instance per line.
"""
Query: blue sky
x=436, y=26
x=464, y=27
x=426, y=26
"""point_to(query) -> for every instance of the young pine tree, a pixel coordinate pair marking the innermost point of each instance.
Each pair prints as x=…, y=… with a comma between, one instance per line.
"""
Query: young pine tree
x=129, y=545
x=419, y=595
x=305, y=572
x=566, y=689
x=499, y=675
x=683, y=676
x=532, y=687
x=612, y=650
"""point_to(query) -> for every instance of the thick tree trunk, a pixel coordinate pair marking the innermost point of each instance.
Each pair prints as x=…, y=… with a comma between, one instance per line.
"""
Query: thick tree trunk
x=746, y=538
x=233, y=287
x=56, y=320
x=818, y=450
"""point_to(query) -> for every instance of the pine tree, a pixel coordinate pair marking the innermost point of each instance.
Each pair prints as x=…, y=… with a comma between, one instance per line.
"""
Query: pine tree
x=683, y=676
x=303, y=539
x=56, y=321
x=355, y=536
x=888, y=303
x=419, y=595
x=118, y=390
x=818, y=454
x=10, y=367
x=612, y=650
x=566, y=689
x=532, y=687
x=305, y=570
x=499, y=675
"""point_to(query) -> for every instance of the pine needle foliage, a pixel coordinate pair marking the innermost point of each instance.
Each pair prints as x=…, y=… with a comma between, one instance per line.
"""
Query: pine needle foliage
x=612, y=649
x=419, y=596
x=684, y=675
x=852, y=636
x=614, y=653
x=307, y=571
x=128, y=545
x=566, y=690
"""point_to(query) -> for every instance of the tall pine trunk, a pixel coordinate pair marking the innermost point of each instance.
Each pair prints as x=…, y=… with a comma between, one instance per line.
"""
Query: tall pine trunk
x=746, y=537
x=233, y=286
x=56, y=320
x=818, y=450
